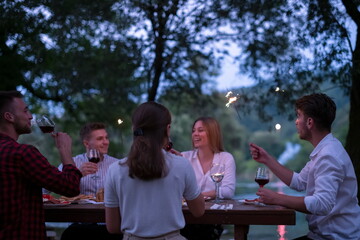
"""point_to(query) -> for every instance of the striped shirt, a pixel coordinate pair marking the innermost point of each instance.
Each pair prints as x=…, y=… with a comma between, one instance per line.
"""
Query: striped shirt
x=92, y=183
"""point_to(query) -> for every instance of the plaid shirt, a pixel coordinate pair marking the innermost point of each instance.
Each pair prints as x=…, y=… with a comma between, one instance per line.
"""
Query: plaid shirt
x=24, y=171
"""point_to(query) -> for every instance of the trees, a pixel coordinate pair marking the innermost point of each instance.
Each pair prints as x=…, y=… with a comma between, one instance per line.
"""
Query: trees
x=75, y=52
x=292, y=48
x=70, y=52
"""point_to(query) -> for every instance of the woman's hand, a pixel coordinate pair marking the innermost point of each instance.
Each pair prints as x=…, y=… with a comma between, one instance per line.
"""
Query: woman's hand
x=173, y=151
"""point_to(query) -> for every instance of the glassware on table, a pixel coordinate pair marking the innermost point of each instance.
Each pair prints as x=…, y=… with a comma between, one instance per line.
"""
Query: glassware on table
x=262, y=176
x=45, y=124
x=217, y=172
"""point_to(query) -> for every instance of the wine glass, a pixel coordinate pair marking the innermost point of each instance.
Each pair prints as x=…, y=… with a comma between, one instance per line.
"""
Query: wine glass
x=217, y=172
x=94, y=156
x=45, y=124
x=262, y=176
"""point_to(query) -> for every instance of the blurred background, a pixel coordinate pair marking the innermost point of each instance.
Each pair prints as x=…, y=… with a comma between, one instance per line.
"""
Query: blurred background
x=241, y=62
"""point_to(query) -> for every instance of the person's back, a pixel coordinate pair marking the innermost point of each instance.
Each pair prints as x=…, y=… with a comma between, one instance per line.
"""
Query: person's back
x=150, y=182
x=160, y=198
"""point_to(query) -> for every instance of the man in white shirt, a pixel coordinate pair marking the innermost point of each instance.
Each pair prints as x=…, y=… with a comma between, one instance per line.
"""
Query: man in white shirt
x=328, y=178
x=93, y=136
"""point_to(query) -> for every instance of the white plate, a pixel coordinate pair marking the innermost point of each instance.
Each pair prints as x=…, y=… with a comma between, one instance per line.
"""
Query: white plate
x=87, y=201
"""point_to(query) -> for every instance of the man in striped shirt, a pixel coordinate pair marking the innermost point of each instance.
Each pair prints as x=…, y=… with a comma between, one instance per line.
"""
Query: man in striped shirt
x=93, y=136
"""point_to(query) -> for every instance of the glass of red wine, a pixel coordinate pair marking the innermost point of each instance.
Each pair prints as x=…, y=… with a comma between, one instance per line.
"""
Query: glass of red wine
x=45, y=124
x=262, y=176
x=94, y=156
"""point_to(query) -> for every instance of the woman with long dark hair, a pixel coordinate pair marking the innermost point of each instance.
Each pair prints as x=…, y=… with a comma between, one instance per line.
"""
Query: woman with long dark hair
x=144, y=192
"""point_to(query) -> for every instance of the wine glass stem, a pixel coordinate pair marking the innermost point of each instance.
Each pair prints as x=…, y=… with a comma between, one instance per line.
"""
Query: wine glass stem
x=217, y=192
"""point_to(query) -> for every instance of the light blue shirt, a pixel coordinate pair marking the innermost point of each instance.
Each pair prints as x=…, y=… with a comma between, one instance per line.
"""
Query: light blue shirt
x=331, y=192
x=151, y=208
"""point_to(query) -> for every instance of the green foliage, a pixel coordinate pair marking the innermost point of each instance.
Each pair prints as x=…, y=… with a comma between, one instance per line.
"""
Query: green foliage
x=97, y=60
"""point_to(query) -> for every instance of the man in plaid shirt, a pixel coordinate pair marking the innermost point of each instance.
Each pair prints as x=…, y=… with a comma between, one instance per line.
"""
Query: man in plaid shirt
x=24, y=171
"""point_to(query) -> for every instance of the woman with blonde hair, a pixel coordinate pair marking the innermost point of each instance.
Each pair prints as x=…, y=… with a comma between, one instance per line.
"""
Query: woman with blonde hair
x=208, y=149
x=150, y=182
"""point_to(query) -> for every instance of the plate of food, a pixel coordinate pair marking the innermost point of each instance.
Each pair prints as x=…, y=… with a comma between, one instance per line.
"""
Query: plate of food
x=52, y=201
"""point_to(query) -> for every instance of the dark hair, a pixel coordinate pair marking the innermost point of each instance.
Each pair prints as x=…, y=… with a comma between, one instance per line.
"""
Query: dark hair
x=213, y=131
x=6, y=98
x=320, y=107
x=146, y=159
x=88, y=128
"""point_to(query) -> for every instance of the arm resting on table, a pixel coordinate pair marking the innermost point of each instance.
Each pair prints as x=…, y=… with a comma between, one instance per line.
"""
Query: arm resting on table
x=197, y=206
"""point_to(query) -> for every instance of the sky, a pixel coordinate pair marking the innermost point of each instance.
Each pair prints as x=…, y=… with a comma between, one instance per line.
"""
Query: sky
x=230, y=77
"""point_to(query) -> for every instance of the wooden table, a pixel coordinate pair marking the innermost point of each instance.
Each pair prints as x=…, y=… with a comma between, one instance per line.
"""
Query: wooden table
x=241, y=216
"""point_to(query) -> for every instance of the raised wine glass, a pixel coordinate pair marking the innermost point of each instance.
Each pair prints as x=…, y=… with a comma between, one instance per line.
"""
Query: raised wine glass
x=262, y=176
x=217, y=172
x=45, y=124
x=94, y=156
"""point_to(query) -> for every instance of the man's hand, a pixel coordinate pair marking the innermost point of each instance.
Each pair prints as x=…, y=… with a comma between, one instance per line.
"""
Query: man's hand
x=88, y=168
x=259, y=154
x=268, y=196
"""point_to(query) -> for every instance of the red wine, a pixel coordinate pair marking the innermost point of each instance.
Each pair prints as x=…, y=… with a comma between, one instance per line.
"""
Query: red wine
x=168, y=147
x=47, y=129
x=94, y=160
x=261, y=181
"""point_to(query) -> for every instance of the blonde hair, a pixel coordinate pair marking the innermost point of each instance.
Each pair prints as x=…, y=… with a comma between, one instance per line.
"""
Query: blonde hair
x=213, y=131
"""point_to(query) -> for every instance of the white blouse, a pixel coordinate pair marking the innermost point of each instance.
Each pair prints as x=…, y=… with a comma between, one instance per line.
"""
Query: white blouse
x=227, y=185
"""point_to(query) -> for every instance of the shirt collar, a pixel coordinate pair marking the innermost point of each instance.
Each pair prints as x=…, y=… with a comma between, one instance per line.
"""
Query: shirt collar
x=2, y=135
x=321, y=144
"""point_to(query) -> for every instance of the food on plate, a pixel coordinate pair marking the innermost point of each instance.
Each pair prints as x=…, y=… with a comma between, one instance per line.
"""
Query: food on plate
x=48, y=199
x=78, y=198
x=100, y=195
x=252, y=200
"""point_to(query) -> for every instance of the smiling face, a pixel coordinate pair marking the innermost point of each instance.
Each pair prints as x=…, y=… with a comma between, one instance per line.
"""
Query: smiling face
x=302, y=126
x=199, y=135
x=99, y=140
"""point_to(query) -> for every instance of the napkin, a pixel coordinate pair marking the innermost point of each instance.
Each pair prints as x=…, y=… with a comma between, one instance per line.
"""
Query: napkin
x=222, y=207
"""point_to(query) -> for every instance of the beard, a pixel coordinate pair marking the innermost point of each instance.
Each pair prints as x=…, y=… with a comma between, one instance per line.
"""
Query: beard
x=305, y=134
x=22, y=129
